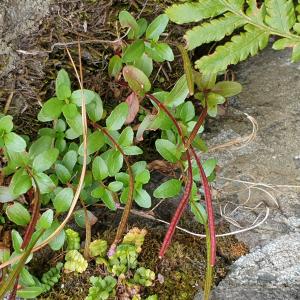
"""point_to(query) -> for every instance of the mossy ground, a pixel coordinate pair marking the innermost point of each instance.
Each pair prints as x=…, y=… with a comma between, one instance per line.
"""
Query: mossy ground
x=180, y=272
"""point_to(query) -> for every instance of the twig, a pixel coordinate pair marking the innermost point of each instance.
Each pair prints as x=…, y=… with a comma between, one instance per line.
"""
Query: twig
x=8, y=102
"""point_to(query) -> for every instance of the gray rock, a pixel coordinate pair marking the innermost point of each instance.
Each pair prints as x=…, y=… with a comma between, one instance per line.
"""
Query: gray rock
x=271, y=93
x=269, y=272
x=18, y=18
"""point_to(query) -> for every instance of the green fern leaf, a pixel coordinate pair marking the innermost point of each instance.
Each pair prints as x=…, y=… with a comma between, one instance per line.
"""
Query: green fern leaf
x=195, y=11
x=280, y=14
x=213, y=31
x=296, y=53
x=238, y=49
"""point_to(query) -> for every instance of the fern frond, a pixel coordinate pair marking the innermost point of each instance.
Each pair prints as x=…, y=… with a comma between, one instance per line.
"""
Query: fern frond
x=195, y=11
x=238, y=49
x=280, y=14
x=213, y=31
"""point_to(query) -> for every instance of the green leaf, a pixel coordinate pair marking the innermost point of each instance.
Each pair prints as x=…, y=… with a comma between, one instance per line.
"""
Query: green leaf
x=30, y=292
x=18, y=214
x=209, y=166
x=143, y=24
x=6, y=194
x=214, y=30
x=73, y=117
x=280, y=14
x=60, y=144
x=60, y=126
x=45, y=183
x=14, y=142
x=70, y=159
x=94, y=143
x=57, y=242
x=168, y=189
x=194, y=11
x=126, y=137
x=162, y=52
x=142, y=177
x=26, y=279
x=45, y=160
x=115, y=186
x=142, y=198
x=114, y=162
x=95, y=109
x=199, y=212
x=63, y=85
x=45, y=221
x=157, y=27
x=99, y=168
x=168, y=150
x=227, y=88
x=51, y=110
x=16, y=240
x=238, y=49
x=63, y=200
x=79, y=216
x=88, y=95
x=144, y=63
x=212, y=102
x=186, y=111
x=137, y=80
x=20, y=183
x=127, y=20
x=133, y=51
x=296, y=53
x=179, y=92
x=115, y=66
x=62, y=173
x=42, y=144
x=6, y=124
x=117, y=117
x=132, y=150
x=108, y=199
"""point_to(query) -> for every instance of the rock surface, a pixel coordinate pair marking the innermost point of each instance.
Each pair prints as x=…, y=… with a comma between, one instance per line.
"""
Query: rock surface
x=18, y=18
x=271, y=168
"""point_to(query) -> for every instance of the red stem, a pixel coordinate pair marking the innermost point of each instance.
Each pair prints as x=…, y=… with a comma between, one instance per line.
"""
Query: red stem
x=188, y=187
x=209, y=208
x=29, y=232
x=186, y=195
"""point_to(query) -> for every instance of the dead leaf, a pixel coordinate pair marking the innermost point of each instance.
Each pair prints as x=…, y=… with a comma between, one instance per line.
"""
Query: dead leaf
x=134, y=106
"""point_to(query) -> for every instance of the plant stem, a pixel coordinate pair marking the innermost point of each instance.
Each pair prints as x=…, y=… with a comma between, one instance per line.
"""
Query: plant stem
x=210, y=230
x=187, y=192
x=88, y=234
x=29, y=231
x=196, y=128
x=6, y=285
x=209, y=267
x=209, y=208
x=126, y=212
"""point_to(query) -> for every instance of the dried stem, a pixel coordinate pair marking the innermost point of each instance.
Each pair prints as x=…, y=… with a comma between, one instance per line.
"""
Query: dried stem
x=126, y=213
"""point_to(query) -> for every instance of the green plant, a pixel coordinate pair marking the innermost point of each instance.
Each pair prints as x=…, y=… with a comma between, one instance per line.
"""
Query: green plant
x=102, y=289
x=69, y=160
x=75, y=262
x=250, y=25
x=72, y=239
x=144, y=276
x=120, y=266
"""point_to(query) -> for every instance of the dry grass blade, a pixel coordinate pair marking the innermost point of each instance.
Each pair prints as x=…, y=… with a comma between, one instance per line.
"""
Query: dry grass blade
x=241, y=142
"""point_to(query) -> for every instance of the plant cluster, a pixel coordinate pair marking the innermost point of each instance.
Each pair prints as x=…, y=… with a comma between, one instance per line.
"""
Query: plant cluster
x=250, y=26
x=120, y=266
x=68, y=160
